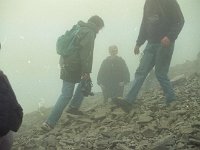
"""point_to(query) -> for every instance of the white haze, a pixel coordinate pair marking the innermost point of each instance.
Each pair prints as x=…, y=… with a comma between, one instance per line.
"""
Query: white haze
x=29, y=29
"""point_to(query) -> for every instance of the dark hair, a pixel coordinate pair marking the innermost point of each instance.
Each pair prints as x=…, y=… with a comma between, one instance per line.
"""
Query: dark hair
x=97, y=20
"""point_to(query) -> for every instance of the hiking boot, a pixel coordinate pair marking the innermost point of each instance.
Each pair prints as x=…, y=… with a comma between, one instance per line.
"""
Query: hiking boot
x=123, y=104
x=74, y=111
x=46, y=127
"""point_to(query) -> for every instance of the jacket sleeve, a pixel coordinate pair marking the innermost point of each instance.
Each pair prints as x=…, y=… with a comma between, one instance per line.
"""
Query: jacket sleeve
x=4, y=106
x=101, y=73
x=86, y=52
x=4, y=111
x=142, y=33
x=177, y=19
x=126, y=73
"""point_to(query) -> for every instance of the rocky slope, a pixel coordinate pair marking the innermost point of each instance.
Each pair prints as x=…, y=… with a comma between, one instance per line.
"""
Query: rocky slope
x=150, y=126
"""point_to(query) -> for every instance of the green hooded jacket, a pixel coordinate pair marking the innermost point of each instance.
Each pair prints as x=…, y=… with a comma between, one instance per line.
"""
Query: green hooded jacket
x=73, y=66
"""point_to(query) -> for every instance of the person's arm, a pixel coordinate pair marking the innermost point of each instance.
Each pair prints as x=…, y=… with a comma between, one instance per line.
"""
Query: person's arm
x=177, y=19
x=142, y=33
x=3, y=116
x=4, y=106
x=100, y=76
x=142, y=37
x=126, y=73
x=86, y=53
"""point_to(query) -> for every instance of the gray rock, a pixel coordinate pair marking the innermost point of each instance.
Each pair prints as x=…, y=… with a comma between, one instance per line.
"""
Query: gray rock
x=51, y=141
x=194, y=141
x=148, y=133
x=168, y=128
x=178, y=79
x=122, y=147
x=144, y=118
x=163, y=143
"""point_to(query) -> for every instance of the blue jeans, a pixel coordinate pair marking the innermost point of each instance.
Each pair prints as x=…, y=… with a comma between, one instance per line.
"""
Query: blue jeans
x=64, y=99
x=160, y=57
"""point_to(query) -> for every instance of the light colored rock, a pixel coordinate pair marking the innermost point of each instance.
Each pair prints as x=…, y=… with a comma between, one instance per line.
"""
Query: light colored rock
x=144, y=118
x=148, y=133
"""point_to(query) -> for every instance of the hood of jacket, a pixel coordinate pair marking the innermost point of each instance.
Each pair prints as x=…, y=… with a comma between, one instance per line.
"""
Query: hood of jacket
x=89, y=25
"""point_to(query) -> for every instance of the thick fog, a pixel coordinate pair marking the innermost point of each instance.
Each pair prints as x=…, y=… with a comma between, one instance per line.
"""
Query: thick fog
x=29, y=30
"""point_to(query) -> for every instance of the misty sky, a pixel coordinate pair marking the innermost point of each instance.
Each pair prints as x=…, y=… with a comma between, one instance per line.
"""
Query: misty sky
x=29, y=29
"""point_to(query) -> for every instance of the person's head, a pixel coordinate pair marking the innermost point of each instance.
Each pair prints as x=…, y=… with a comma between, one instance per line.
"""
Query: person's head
x=113, y=50
x=98, y=21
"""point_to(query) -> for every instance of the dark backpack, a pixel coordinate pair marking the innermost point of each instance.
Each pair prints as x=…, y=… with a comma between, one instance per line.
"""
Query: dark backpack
x=68, y=43
x=15, y=111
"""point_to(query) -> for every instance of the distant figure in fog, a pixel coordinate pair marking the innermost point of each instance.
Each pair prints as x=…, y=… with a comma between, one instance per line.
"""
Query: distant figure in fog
x=113, y=75
x=161, y=24
x=74, y=69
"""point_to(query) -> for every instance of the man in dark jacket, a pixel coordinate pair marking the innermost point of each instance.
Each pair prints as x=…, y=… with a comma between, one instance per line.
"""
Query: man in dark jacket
x=6, y=136
x=11, y=113
x=74, y=68
x=113, y=75
x=161, y=24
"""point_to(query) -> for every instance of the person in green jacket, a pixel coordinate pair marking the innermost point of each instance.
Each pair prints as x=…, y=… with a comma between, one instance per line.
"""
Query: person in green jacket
x=75, y=68
x=113, y=74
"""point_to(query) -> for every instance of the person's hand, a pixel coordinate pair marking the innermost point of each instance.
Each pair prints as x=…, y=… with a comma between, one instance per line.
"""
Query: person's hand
x=165, y=41
x=136, y=50
x=85, y=76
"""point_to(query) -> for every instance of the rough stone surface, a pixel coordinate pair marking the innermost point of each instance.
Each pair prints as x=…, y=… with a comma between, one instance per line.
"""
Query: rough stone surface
x=150, y=125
